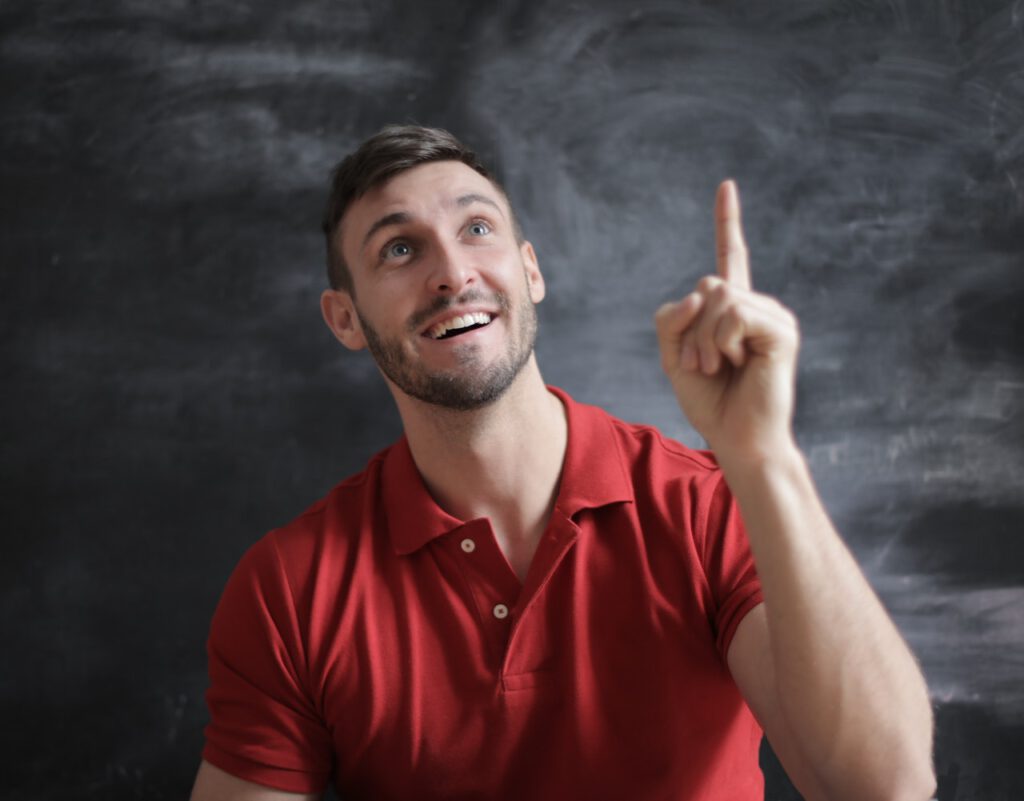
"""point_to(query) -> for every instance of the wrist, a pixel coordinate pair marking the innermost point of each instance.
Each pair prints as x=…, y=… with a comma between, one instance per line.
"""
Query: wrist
x=775, y=457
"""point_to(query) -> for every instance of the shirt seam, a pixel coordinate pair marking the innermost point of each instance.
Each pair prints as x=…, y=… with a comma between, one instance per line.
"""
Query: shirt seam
x=307, y=682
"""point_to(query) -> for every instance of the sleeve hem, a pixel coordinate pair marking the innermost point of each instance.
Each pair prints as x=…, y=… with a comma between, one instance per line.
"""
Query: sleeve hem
x=750, y=596
x=287, y=779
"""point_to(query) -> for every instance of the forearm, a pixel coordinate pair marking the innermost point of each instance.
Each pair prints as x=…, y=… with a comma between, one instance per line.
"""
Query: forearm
x=841, y=690
x=847, y=684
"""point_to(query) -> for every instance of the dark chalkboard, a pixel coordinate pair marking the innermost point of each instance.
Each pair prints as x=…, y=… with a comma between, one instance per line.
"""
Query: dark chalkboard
x=170, y=393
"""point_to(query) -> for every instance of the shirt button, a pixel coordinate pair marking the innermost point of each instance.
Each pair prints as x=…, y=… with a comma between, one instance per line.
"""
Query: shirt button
x=468, y=545
x=500, y=611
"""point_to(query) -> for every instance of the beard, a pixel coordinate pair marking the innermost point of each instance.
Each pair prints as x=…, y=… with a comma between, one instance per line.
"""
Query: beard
x=473, y=384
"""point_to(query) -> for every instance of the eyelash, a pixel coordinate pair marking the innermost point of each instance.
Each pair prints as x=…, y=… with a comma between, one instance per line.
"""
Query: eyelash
x=384, y=253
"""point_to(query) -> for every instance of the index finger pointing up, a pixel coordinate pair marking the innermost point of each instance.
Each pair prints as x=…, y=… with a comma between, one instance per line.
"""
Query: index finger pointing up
x=733, y=264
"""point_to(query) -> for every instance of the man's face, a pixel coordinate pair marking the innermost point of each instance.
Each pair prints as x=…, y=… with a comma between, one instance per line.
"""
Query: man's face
x=444, y=295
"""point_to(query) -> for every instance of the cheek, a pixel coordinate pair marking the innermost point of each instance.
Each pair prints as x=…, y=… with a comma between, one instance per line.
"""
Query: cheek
x=389, y=306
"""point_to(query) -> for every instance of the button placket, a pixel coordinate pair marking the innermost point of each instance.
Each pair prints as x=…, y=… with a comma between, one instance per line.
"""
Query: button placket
x=490, y=581
x=526, y=651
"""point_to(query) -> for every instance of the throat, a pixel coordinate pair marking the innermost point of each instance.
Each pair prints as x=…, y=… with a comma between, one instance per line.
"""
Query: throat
x=519, y=551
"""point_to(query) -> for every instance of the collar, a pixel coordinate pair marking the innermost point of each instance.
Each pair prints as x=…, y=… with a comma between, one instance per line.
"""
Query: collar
x=593, y=475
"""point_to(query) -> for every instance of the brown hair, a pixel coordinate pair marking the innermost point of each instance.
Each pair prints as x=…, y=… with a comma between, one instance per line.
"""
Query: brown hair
x=392, y=150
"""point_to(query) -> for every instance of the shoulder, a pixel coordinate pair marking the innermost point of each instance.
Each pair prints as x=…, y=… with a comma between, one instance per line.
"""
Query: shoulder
x=323, y=538
x=339, y=511
x=646, y=448
x=612, y=451
x=683, y=484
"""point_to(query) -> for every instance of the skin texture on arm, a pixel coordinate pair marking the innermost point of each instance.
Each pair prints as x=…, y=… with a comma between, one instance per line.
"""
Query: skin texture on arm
x=820, y=663
x=214, y=784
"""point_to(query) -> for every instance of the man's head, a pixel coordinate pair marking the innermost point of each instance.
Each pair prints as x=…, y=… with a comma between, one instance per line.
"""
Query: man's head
x=392, y=150
x=429, y=270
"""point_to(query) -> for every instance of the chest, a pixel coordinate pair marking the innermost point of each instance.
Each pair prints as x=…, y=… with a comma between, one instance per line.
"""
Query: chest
x=452, y=669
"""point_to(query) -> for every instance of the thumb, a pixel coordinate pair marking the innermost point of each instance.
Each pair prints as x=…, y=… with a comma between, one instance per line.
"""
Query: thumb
x=671, y=322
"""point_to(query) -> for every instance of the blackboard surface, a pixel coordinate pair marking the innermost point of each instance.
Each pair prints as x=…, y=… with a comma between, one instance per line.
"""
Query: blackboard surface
x=170, y=393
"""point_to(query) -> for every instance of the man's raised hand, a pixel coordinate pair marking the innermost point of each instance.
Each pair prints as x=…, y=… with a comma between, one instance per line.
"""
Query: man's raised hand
x=730, y=352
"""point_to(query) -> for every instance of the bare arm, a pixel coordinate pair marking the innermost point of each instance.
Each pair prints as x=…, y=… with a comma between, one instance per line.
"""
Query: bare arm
x=821, y=664
x=214, y=784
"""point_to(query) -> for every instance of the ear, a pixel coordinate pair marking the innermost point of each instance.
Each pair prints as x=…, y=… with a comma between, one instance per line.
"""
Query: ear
x=534, y=279
x=339, y=311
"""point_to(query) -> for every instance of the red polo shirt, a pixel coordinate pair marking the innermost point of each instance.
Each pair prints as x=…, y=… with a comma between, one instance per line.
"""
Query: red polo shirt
x=382, y=644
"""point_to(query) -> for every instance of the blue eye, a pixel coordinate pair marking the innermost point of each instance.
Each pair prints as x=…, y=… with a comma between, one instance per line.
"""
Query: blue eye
x=396, y=250
x=479, y=228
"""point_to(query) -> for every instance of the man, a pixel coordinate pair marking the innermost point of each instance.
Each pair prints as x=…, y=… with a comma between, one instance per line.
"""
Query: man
x=526, y=598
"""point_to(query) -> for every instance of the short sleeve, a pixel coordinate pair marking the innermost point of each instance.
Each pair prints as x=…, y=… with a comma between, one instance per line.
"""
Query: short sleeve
x=728, y=563
x=264, y=726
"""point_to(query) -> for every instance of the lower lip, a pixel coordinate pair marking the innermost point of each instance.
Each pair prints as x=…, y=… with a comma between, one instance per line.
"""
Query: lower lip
x=468, y=336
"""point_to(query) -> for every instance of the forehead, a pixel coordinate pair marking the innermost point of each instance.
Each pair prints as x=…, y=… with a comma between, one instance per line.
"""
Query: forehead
x=426, y=182
x=423, y=192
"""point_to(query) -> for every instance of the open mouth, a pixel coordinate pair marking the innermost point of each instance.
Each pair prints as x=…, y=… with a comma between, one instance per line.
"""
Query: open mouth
x=456, y=326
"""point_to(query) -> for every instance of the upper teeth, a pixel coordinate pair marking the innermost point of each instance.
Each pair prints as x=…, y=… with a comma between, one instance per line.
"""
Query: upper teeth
x=463, y=321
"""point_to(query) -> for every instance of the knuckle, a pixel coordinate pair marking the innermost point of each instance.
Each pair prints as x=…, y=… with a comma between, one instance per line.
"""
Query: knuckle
x=734, y=316
x=707, y=284
x=779, y=307
x=789, y=326
x=795, y=330
x=721, y=292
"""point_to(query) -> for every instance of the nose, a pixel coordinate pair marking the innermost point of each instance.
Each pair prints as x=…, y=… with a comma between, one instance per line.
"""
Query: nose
x=450, y=272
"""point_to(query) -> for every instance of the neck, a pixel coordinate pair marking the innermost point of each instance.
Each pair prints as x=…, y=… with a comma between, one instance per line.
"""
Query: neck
x=502, y=461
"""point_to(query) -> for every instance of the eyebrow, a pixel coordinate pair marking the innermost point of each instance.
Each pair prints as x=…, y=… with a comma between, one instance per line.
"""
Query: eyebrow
x=468, y=200
x=395, y=218
x=402, y=217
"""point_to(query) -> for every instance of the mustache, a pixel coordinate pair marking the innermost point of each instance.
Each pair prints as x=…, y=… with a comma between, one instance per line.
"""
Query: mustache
x=440, y=304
